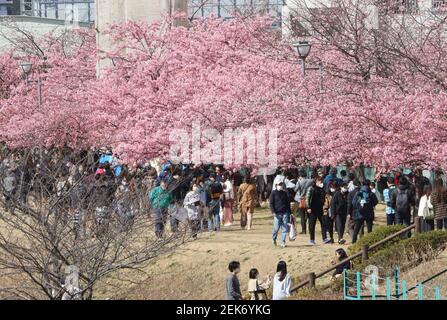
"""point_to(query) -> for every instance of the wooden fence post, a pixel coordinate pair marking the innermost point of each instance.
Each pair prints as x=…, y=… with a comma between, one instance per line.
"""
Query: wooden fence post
x=312, y=277
x=365, y=249
x=418, y=225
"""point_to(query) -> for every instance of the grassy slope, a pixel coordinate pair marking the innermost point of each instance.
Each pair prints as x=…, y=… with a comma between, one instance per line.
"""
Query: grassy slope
x=198, y=270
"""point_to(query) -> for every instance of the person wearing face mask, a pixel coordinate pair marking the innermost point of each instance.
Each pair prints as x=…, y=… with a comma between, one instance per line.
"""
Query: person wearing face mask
x=328, y=215
x=192, y=205
x=280, y=207
x=314, y=202
x=160, y=198
x=301, y=187
x=339, y=207
x=363, y=204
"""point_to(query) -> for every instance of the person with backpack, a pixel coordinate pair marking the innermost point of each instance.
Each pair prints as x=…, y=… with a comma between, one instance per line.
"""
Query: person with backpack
x=425, y=210
x=388, y=193
x=280, y=207
x=363, y=204
x=339, y=208
x=315, y=202
x=402, y=201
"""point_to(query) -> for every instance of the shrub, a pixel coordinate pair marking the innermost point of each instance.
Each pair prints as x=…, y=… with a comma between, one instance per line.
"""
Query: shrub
x=408, y=253
x=377, y=235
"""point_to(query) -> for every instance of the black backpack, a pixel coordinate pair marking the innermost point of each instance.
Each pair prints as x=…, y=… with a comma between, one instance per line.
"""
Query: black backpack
x=403, y=201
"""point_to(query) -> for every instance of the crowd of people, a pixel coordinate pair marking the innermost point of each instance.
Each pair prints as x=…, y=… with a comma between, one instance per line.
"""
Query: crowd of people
x=206, y=197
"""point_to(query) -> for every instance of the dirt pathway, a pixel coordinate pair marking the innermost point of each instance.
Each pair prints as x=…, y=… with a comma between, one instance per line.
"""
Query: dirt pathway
x=198, y=270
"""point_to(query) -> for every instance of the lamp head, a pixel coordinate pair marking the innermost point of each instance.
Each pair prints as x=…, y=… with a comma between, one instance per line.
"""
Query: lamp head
x=26, y=67
x=303, y=48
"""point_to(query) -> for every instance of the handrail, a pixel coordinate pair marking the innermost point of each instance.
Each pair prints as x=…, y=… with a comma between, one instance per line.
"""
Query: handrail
x=354, y=256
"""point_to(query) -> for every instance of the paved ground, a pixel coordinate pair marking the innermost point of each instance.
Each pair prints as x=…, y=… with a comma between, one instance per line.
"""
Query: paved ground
x=198, y=270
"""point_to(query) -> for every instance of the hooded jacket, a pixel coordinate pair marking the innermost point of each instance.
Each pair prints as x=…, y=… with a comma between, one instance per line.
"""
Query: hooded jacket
x=367, y=211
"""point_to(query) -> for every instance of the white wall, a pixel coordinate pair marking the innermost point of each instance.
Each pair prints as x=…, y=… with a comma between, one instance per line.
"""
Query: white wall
x=34, y=25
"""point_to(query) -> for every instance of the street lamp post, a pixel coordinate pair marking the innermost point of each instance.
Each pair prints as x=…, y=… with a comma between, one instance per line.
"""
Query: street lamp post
x=303, y=49
x=27, y=68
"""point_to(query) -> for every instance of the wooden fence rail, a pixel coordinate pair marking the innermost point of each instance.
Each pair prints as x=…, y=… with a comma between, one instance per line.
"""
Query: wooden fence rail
x=312, y=277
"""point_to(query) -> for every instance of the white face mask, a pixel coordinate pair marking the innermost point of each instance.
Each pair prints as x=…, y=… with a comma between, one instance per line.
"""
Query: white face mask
x=279, y=188
x=332, y=190
x=320, y=185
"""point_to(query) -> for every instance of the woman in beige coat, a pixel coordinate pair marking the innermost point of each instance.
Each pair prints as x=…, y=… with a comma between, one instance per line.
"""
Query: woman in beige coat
x=247, y=197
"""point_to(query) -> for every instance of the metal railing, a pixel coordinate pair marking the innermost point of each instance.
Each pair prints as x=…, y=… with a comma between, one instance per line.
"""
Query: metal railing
x=370, y=284
x=363, y=254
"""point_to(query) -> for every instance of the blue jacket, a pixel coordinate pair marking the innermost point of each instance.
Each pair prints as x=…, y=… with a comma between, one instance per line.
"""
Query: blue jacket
x=330, y=177
x=367, y=211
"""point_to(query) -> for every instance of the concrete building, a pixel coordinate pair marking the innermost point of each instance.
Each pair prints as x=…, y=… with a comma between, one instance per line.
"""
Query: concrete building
x=34, y=25
x=227, y=8
x=73, y=10
x=420, y=10
x=9, y=7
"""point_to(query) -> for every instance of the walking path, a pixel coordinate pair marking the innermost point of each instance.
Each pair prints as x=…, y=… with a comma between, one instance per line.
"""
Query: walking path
x=198, y=269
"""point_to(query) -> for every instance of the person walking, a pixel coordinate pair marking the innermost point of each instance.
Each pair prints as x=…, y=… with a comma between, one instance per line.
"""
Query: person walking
x=160, y=199
x=228, y=200
x=282, y=282
x=247, y=198
x=355, y=187
x=388, y=194
x=315, y=201
x=280, y=207
x=363, y=203
x=328, y=215
x=301, y=187
x=193, y=207
x=425, y=210
x=403, y=201
x=215, y=191
x=339, y=208
x=232, y=283
x=439, y=202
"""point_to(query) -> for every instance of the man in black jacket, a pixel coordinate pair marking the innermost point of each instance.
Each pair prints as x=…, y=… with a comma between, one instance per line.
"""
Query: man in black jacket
x=339, y=209
x=350, y=208
x=402, y=201
x=280, y=207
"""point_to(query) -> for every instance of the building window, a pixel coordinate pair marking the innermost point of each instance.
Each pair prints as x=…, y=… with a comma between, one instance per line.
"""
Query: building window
x=227, y=8
x=77, y=10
